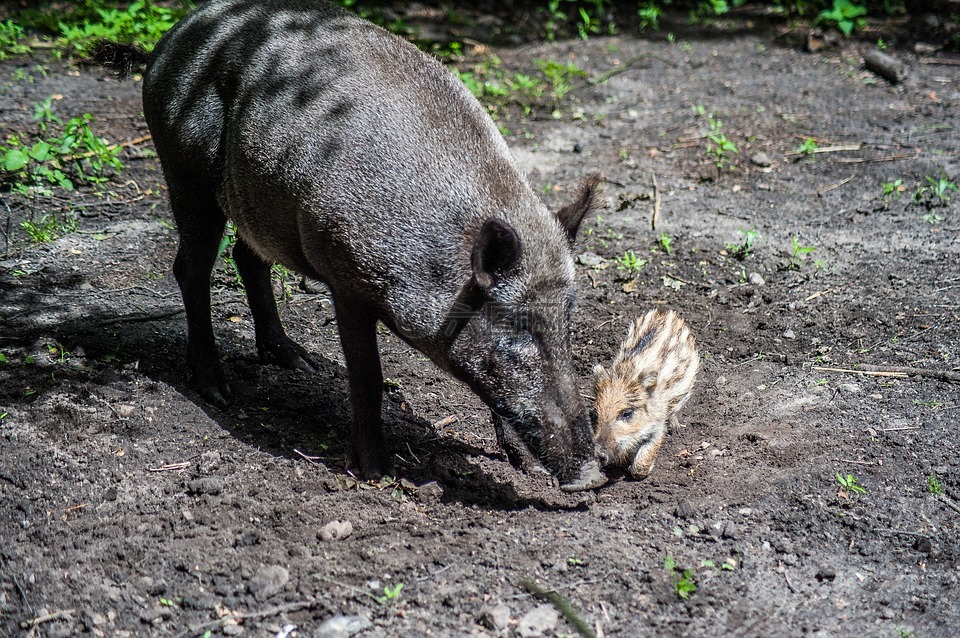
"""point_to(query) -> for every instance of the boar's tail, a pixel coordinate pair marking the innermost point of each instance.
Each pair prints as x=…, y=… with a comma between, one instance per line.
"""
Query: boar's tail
x=123, y=59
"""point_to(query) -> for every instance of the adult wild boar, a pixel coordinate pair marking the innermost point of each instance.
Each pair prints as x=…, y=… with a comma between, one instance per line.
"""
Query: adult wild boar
x=344, y=153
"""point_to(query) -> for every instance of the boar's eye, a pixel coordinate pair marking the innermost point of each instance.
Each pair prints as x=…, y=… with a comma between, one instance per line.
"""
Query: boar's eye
x=625, y=415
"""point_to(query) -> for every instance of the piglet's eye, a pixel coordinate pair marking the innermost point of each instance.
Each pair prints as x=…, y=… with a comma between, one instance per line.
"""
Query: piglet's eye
x=625, y=415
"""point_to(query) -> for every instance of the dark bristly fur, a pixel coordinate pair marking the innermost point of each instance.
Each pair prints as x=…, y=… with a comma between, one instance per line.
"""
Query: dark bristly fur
x=651, y=378
x=346, y=154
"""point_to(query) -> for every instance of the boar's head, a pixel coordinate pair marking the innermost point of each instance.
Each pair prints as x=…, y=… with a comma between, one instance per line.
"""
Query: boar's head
x=512, y=345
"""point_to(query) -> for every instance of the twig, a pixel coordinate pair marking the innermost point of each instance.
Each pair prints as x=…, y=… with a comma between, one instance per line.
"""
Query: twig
x=171, y=467
x=656, y=204
x=444, y=422
x=839, y=148
x=356, y=590
x=309, y=459
x=562, y=605
x=856, y=462
x=609, y=73
x=790, y=586
x=946, y=501
x=273, y=611
x=946, y=61
x=826, y=189
x=871, y=373
x=908, y=427
x=860, y=160
x=57, y=615
x=941, y=375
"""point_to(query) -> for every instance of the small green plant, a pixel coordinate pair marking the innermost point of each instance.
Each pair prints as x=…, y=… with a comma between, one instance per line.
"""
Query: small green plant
x=849, y=484
x=41, y=165
x=630, y=263
x=649, y=14
x=797, y=251
x=3, y=358
x=845, y=15
x=932, y=218
x=933, y=405
x=721, y=147
x=742, y=250
x=48, y=228
x=12, y=40
x=938, y=188
x=893, y=190
x=166, y=602
x=808, y=147
x=663, y=241
x=560, y=76
x=573, y=561
x=390, y=593
x=933, y=484
x=683, y=582
x=90, y=21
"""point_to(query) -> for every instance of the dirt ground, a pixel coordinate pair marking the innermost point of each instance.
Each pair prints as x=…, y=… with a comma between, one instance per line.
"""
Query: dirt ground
x=129, y=507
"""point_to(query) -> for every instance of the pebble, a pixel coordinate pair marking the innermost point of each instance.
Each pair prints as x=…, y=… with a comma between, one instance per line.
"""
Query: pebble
x=789, y=334
x=685, y=509
x=342, y=627
x=211, y=485
x=762, y=159
x=496, y=617
x=124, y=410
x=730, y=531
x=826, y=573
x=756, y=279
x=430, y=492
x=851, y=388
x=335, y=530
x=539, y=621
x=269, y=581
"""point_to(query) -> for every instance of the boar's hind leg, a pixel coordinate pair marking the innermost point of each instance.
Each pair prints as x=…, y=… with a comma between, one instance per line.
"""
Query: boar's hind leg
x=200, y=222
x=367, y=455
x=273, y=345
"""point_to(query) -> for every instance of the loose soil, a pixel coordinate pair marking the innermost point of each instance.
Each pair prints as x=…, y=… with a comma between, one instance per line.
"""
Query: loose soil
x=131, y=507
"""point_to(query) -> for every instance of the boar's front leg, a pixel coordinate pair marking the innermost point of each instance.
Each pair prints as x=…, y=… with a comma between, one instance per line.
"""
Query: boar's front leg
x=200, y=222
x=367, y=455
x=511, y=443
x=273, y=345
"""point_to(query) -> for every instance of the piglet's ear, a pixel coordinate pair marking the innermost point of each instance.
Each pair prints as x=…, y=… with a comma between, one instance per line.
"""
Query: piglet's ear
x=496, y=252
x=588, y=199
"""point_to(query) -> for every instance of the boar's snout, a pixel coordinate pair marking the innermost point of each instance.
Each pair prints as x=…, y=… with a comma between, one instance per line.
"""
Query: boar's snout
x=585, y=474
x=588, y=477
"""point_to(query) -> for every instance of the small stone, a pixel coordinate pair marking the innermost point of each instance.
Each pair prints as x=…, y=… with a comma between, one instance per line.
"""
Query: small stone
x=342, y=627
x=268, y=582
x=578, y=148
x=593, y=260
x=761, y=159
x=851, y=388
x=789, y=334
x=756, y=279
x=923, y=545
x=684, y=509
x=211, y=485
x=730, y=531
x=826, y=573
x=539, y=621
x=187, y=515
x=335, y=530
x=886, y=613
x=496, y=618
x=430, y=492
x=124, y=410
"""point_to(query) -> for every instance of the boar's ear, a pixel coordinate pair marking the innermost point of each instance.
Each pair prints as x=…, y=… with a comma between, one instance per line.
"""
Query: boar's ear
x=496, y=252
x=588, y=198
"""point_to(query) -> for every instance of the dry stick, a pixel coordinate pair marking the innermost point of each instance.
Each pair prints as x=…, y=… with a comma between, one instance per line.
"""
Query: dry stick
x=562, y=606
x=352, y=588
x=273, y=611
x=941, y=375
x=947, y=61
x=57, y=615
x=943, y=499
x=444, y=422
x=827, y=189
x=889, y=158
x=656, y=204
x=617, y=70
x=874, y=373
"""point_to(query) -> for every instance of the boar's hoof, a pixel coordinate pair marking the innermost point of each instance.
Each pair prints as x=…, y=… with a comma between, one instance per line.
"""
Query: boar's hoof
x=213, y=392
x=288, y=354
x=369, y=467
x=590, y=477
